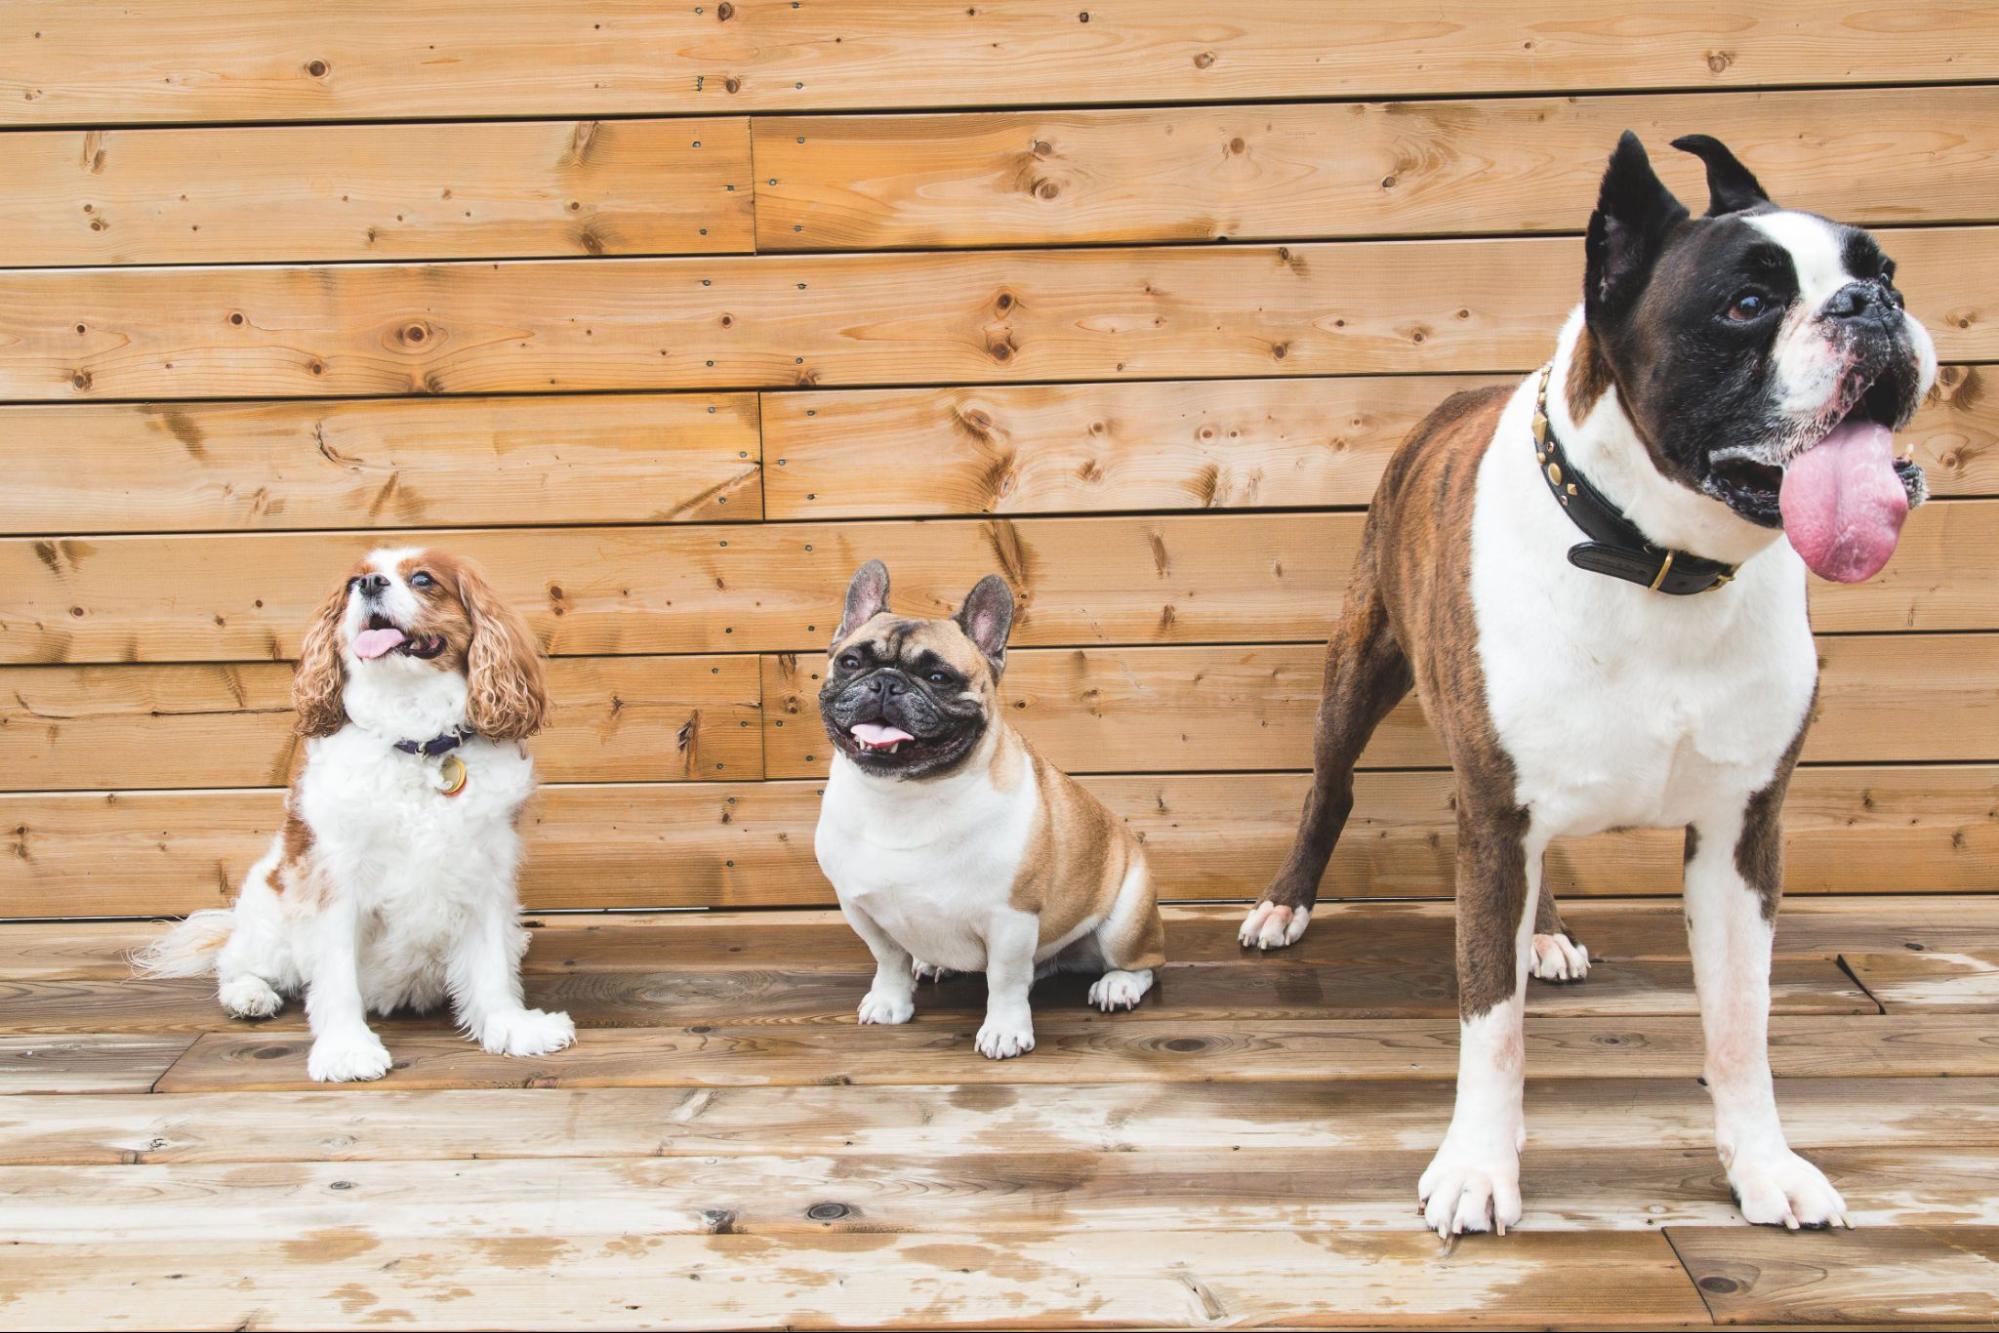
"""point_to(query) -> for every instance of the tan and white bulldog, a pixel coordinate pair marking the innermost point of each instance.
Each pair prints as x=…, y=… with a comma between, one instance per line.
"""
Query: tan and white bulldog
x=953, y=846
x=1595, y=582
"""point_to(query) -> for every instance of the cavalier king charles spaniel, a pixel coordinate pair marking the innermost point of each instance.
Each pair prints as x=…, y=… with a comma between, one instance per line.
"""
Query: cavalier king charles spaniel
x=391, y=882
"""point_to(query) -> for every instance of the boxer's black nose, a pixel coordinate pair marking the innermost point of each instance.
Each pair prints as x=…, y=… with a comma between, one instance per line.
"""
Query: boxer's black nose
x=372, y=585
x=1858, y=301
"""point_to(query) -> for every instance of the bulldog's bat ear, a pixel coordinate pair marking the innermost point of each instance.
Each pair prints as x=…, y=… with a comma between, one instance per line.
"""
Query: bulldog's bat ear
x=867, y=597
x=987, y=618
x=1731, y=187
x=1634, y=213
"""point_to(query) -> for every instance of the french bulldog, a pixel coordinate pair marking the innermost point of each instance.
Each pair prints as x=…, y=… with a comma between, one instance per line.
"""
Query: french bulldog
x=1595, y=582
x=952, y=845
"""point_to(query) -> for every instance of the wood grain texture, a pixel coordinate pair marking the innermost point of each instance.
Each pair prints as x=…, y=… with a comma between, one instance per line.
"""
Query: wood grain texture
x=1074, y=1046
x=614, y=719
x=1217, y=444
x=293, y=60
x=697, y=588
x=1931, y=1276
x=1899, y=828
x=335, y=192
x=619, y=1275
x=88, y=1062
x=1303, y=171
x=217, y=467
x=1198, y=993
x=1906, y=980
x=1112, y=709
x=918, y=318
x=829, y=1121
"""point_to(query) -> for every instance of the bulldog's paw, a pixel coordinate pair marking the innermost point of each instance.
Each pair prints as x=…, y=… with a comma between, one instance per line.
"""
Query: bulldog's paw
x=526, y=1032
x=1272, y=926
x=1120, y=990
x=885, y=1006
x=1557, y=958
x=1782, y=1189
x=923, y=971
x=1004, y=1038
x=347, y=1057
x=249, y=996
x=1471, y=1187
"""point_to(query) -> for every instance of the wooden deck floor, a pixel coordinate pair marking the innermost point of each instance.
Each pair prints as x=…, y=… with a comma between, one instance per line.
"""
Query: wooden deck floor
x=725, y=1148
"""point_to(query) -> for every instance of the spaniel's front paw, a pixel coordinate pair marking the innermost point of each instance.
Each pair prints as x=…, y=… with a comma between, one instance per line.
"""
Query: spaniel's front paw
x=526, y=1032
x=347, y=1057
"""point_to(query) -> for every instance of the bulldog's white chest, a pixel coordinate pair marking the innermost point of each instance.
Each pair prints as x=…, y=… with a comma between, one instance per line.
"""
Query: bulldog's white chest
x=930, y=863
x=1621, y=706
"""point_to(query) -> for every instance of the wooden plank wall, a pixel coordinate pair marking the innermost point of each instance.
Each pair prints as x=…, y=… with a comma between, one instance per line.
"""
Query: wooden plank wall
x=674, y=314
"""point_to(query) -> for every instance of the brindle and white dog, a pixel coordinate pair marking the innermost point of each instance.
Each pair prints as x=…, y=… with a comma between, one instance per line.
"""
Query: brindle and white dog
x=953, y=846
x=1585, y=580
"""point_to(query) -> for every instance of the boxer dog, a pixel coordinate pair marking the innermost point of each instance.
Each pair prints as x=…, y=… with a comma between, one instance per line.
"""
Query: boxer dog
x=1595, y=582
x=953, y=846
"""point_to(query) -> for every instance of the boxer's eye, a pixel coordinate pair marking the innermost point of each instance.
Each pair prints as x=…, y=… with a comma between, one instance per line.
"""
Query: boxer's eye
x=1748, y=306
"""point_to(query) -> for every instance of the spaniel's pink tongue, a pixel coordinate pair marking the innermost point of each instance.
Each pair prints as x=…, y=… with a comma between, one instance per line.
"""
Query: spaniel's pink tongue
x=877, y=737
x=1843, y=504
x=370, y=644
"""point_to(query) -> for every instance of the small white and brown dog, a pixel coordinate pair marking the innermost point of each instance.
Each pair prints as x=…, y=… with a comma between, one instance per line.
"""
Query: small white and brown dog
x=953, y=846
x=390, y=884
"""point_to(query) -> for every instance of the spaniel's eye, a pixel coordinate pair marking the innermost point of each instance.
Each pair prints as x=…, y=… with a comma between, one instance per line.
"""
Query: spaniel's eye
x=850, y=661
x=420, y=579
x=1748, y=306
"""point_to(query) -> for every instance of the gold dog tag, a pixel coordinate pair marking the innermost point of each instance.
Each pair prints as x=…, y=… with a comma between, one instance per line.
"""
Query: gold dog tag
x=451, y=775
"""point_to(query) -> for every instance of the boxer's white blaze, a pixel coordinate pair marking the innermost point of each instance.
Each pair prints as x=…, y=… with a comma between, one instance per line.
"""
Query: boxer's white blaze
x=1808, y=366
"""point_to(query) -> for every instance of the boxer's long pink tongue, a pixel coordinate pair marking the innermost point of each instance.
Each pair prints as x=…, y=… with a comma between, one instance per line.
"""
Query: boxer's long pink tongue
x=370, y=644
x=1843, y=504
x=876, y=736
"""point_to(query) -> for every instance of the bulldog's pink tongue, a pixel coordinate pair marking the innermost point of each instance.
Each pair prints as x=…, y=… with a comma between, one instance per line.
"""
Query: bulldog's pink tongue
x=370, y=644
x=1843, y=504
x=878, y=737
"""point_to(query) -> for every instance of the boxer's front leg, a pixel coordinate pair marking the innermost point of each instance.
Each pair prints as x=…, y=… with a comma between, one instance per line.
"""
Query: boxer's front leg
x=1730, y=920
x=1473, y=1183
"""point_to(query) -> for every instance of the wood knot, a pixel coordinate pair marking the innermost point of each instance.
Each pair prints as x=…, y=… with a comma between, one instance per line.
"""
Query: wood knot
x=724, y=12
x=316, y=68
x=1204, y=59
x=1717, y=61
x=733, y=84
x=828, y=1212
x=1720, y=1286
x=1237, y=146
x=1047, y=190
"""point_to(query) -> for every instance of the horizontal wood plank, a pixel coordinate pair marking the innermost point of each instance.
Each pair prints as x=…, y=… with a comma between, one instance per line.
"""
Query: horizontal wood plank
x=831, y=1121
x=620, y=1274
x=1927, y=1276
x=77, y=61
x=336, y=192
x=1930, y=828
x=1228, y=444
x=1167, y=579
x=1907, y=980
x=1294, y=989
x=87, y=1062
x=1301, y=171
x=217, y=467
x=1099, y=1049
x=612, y=719
x=919, y=318
x=1112, y=709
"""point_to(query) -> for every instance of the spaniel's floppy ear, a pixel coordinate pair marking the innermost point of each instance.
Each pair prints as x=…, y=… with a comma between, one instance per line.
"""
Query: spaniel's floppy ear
x=507, y=695
x=321, y=674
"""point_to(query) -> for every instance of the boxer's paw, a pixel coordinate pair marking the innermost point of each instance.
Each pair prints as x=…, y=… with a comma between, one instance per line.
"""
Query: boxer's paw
x=1471, y=1185
x=1272, y=926
x=1781, y=1189
x=1558, y=958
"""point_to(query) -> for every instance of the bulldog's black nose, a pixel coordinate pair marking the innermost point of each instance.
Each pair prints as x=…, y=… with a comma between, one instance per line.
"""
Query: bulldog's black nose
x=1859, y=301
x=886, y=685
x=372, y=585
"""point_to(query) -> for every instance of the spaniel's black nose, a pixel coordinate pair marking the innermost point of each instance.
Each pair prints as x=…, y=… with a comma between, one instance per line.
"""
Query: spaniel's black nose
x=373, y=585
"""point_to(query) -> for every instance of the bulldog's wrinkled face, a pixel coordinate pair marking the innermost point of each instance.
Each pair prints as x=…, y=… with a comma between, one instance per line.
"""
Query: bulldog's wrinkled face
x=908, y=698
x=1764, y=356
